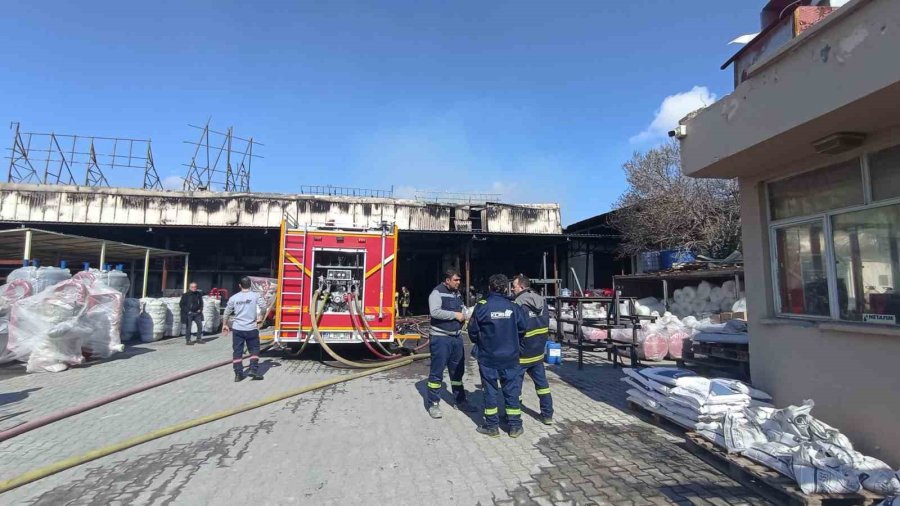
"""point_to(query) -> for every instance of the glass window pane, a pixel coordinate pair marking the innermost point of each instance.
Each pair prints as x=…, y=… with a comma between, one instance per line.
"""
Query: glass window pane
x=832, y=187
x=802, y=280
x=884, y=170
x=867, y=254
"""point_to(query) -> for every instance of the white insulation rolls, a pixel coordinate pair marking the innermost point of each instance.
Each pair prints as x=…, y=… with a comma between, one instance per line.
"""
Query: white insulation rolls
x=212, y=318
x=152, y=321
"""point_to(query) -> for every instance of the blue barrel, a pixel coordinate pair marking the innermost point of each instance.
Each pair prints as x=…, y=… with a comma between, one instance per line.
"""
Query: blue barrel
x=63, y=264
x=552, y=353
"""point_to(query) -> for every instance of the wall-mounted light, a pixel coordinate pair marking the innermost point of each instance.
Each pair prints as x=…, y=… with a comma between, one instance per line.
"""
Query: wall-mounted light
x=839, y=142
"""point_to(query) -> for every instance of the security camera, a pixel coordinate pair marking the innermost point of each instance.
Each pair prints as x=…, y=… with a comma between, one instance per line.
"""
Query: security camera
x=680, y=132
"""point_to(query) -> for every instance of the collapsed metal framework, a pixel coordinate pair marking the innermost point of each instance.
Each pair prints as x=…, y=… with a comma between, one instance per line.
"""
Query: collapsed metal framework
x=205, y=172
x=51, y=158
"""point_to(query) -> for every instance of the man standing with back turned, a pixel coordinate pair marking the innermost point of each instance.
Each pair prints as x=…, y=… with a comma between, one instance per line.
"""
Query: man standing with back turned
x=538, y=329
x=191, y=305
x=246, y=306
x=446, y=346
x=497, y=327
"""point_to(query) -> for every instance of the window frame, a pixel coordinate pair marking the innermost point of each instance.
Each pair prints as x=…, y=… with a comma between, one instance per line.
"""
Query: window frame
x=825, y=218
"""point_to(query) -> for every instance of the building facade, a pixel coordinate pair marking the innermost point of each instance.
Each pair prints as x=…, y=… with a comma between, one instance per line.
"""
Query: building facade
x=812, y=133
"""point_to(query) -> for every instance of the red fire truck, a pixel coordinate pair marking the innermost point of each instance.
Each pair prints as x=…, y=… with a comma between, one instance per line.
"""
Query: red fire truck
x=342, y=266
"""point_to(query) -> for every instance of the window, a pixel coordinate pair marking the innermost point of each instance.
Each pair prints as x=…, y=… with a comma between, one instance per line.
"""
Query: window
x=801, y=269
x=834, y=187
x=836, y=241
x=867, y=261
x=884, y=169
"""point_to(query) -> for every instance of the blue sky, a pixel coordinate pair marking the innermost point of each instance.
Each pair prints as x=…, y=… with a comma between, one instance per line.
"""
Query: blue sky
x=539, y=101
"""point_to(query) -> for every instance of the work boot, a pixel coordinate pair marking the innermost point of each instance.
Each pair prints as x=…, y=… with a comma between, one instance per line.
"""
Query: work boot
x=516, y=432
x=547, y=420
x=256, y=376
x=491, y=432
x=200, y=341
x=238, y=377
x=190, y=343
x=434, y=411
x=465, y=407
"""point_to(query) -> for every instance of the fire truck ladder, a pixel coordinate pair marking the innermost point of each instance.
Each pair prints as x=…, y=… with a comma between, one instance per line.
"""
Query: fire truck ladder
x=291, y=269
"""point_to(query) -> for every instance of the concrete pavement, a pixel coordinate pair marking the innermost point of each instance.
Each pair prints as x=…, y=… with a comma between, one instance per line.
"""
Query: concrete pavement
x=368, y=441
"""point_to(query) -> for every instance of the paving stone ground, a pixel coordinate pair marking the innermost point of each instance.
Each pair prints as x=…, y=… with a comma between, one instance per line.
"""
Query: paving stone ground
x=367, y=441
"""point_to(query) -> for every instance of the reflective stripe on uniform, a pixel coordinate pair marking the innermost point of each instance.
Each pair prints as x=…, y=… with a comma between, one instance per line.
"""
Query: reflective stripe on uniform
x=432, y=384
x=530, y=360
x=482, y=301
x=513, y=411
x=456, y=383
x=543, y=391
x=535, y=332
x=490, y=411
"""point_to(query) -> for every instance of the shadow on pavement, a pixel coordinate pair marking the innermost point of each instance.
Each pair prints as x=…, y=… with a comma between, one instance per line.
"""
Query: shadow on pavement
x=448, y=401
x=13, y=397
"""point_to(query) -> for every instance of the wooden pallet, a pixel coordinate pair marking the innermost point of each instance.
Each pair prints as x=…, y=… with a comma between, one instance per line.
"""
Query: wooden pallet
x=658, y=420
x=766, y=482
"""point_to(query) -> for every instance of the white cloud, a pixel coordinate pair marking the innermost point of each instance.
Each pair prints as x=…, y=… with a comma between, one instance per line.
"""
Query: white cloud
x=173, y=183
x=674, y=108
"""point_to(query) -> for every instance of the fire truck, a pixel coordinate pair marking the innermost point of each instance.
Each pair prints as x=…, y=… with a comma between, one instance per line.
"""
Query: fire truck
x=345, y=274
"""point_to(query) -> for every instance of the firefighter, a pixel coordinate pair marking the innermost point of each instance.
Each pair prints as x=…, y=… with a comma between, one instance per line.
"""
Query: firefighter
x=445, y=343
x=404, y=301
x=497, y=327
x=532, y=354
x=191, y=305
x=246, y=306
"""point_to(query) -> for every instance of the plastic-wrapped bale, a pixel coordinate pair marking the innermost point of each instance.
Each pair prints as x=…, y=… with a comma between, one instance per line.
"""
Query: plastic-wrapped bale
x=267, y=289
x=46, y=329
x=152, y=321
x=704, y=290
x=212, y=319
x=40, y=278
x=651, y=342
x=174, y=325
x=10, y=293
x=131, y=312
x=116, y=280
x=103, y=314
x=678, y=338
x=592, y=334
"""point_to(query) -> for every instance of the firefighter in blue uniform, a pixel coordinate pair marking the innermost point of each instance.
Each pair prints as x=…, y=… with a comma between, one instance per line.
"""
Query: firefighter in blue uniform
x=532, y=354
x=497, y=327
x=446, y=345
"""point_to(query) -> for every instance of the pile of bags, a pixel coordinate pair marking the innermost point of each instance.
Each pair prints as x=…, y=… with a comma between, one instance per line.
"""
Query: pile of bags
x=707, y=299
x=40, y=278
x=689, y=399
x=131, y=313
x=10, y=293
x=740, y=419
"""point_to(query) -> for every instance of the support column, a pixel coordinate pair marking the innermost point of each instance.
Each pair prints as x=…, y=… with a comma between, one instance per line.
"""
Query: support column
x=146, y=272
x=187, y=259
x=165, y=274
x=102, y=255
x=26, y=254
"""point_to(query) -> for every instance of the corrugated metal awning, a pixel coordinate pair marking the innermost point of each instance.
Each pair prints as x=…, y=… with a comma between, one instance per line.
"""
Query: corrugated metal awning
x=46, y=244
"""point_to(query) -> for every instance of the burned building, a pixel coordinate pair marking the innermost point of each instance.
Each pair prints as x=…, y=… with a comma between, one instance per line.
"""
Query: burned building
x=233, y=234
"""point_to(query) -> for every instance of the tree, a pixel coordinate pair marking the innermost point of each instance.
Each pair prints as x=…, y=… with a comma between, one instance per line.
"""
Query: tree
x=664, y=209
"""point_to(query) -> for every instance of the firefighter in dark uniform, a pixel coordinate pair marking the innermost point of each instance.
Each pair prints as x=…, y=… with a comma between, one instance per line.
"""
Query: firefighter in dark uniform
x=497, y=327
x=445, y=343
x=404, y=301
x=532, y=357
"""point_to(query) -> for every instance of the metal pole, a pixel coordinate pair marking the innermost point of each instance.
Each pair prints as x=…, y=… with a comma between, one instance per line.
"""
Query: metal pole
x=381, y=274
x=544, y=290
x=187, y=259
x=26, y=255
x=131, y=281
x=102, y=255
x=468, y=268
x=146, y=272
x=557, y=283
x=165, y=274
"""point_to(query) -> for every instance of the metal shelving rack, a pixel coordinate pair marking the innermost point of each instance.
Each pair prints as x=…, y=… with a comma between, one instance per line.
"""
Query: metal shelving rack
x=613, y=320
